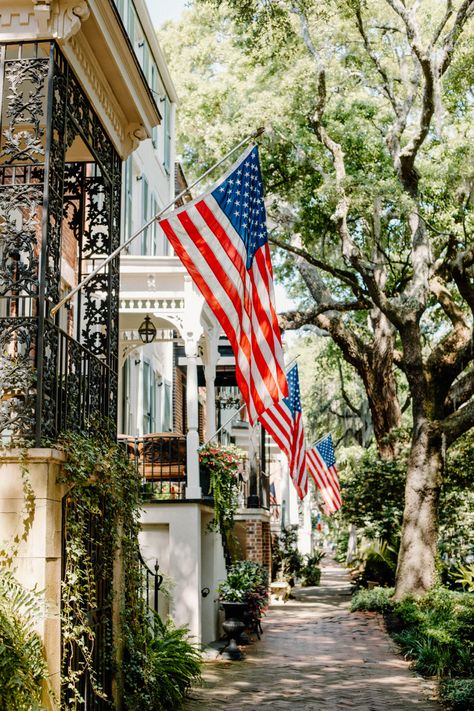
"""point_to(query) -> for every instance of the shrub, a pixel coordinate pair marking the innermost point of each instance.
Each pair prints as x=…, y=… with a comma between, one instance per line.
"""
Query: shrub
x=287, y=561
x=160, y=672
x=458, y=694
x=22, y=665
x=375, y=600
x=377, y=562
x=435, y=632
x=311, y=573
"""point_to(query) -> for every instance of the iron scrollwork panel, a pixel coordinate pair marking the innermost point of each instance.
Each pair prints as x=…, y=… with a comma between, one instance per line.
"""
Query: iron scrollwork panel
x=17, y=377
x=23, y=122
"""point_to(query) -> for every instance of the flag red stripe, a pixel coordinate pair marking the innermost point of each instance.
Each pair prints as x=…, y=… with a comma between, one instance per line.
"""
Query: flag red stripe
x=250, y=349
x=278, y=422
x=246, y=385
x=252, y=308
x=264, y=265
x=325, y=480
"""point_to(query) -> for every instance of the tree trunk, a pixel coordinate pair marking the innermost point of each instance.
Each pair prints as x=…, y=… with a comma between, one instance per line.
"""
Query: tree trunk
x=419, y=535
x=381, y=386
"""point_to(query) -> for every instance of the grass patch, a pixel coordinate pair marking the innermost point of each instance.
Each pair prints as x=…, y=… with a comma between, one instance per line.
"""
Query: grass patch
x=436, y=633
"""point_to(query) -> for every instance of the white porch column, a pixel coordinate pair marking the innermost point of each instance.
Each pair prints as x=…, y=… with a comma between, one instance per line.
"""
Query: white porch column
x=210, y=375
x=193, y=488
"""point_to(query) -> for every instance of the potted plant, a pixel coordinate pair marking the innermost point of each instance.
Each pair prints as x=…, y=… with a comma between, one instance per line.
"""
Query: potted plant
x=244, y=595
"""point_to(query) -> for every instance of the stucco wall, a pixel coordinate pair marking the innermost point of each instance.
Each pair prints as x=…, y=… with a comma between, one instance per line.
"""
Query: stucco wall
x=177, y=536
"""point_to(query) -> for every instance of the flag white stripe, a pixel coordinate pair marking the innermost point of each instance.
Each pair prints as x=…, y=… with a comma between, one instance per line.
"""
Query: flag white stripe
x=247, y=368
x=277, y=426
x=323, y=479
x=232, y=272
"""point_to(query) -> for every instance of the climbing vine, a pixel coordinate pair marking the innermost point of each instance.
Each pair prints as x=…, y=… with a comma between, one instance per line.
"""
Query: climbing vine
x=101, y=525
x=222, y=465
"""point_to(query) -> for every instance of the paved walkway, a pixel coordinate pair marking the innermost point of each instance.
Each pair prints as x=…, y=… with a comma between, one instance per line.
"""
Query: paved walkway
x=316, y=656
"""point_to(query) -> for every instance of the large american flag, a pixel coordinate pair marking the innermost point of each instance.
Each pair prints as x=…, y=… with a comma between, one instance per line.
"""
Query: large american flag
x=284, y=422
x=321, y=461
x=221, y=238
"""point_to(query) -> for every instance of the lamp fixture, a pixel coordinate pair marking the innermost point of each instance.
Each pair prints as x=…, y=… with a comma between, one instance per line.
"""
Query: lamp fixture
x=147, y=330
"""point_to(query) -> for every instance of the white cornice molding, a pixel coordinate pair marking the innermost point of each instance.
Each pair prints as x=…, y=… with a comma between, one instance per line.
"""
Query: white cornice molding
x=111, y=30
x=41, y=19
x=80, y=55
x=92, y=40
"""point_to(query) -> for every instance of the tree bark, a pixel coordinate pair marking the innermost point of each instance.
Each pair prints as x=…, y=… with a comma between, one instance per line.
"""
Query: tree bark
x=381, y=386
x=416, y=572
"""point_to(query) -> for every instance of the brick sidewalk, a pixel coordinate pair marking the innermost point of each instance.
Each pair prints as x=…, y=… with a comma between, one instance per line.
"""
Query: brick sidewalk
x=316, y=656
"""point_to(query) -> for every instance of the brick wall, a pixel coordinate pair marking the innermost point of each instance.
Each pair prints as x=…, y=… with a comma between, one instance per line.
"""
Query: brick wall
x=69, y=245
x=258, y=542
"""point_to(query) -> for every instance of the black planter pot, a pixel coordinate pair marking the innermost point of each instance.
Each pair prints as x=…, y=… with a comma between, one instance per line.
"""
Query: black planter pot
x=205, y=482
x=233, y=629
x=234, y=610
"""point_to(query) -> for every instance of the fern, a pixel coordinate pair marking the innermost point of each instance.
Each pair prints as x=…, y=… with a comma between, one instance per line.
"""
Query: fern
x=22, y=665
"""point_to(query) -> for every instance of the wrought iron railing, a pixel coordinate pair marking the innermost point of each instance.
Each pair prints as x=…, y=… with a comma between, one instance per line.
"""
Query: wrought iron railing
x=161, y=462
x=151, y=583
x=51, y=386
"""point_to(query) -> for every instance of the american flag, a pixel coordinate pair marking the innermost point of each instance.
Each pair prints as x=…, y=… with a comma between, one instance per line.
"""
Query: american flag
x=321, y=462
x=221, y=238
x=284, y=422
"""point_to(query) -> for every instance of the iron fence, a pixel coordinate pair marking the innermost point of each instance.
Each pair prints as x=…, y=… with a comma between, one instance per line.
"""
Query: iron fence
x=76, y=388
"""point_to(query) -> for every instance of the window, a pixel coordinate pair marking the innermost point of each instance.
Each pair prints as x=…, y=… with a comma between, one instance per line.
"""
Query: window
x=125, y=396
x=146, y=236
x=149, y=398
x=128, y=203
x=156, y=96
x=167, y=135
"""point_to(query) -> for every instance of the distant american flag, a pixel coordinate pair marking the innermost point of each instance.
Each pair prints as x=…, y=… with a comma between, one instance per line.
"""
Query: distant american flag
x=284, y=422
x=321, y=462
x=221, y=238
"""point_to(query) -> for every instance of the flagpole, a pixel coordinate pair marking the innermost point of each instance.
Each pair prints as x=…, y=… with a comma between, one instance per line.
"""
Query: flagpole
x=117, y=251
x=222, y=427
x=293, y=360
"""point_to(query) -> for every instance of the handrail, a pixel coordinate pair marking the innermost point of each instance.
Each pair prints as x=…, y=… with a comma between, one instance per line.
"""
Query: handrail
x=150, y=574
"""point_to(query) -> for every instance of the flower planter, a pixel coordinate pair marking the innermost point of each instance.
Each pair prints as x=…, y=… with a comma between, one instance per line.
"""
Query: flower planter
x=205, y=481
x=234, y=610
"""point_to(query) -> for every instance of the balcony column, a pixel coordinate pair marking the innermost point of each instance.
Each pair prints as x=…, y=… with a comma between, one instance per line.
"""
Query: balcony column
x=193, y=488
x=253, y=499
x=210, y=375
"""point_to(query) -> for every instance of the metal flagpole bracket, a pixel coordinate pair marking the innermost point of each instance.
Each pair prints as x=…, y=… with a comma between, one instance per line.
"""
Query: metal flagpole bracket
x=116, y=252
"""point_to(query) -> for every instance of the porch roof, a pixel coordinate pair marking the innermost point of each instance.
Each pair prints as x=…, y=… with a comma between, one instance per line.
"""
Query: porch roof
x=94, y=41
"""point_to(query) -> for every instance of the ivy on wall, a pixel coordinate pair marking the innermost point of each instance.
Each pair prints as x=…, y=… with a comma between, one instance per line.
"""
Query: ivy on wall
x=101, y=525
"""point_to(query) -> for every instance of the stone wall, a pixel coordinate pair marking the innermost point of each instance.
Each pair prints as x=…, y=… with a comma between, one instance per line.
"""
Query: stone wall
x=38, y=559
